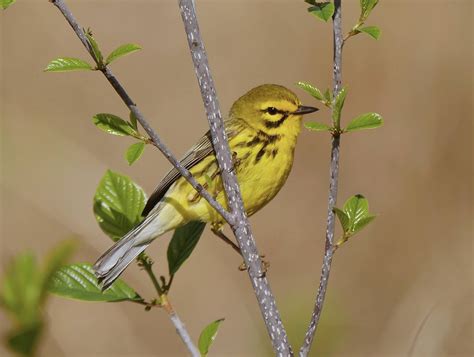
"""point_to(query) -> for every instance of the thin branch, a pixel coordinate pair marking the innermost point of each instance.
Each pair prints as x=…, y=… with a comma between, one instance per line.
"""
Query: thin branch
x=164, y=302
x=241, y=226
x=60, y=4
x=333, y=181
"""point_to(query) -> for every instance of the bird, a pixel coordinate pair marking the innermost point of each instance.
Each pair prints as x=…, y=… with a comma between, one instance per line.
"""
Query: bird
x=262, y=130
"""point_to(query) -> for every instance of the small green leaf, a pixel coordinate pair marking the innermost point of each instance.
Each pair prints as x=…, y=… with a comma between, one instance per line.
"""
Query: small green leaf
x=315, y=126
x=338, y=105
x=182, y=244
x=118, y=204
x=365, y=121
x=363, y=222
x=122, y=51
x=57, y=257
x=366, y=7
x=133, y=121
x=357, y=210
x=373, y=31
x=95, y=48
x=134, y=152
x=356, y=207
x=207, y=336
x=24, y=339
x=113, y=124
x=328, y=96
x=77, y=281
x=21, y=291
x=65, y=64
x=311, y=90
x=323, y=10
x=343, y=218
x=6, y=3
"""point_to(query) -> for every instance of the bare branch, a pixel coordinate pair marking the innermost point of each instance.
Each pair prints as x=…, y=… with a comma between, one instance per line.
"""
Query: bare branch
x=241, y=226
x=333, y=181
x=60, y=4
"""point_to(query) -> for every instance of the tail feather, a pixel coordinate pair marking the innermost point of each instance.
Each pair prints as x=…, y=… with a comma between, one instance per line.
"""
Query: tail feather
x=116, y=259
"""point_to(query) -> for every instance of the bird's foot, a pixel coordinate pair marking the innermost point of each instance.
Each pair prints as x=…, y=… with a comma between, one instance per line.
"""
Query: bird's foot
x=265, y=265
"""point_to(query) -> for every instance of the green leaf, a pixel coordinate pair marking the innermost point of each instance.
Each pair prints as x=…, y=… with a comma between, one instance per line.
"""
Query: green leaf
x=207, y=336
x=328, y=96
x=311, y=90
x=6, y=3
x=134, y=152
x=366, y=7
x=323, y=10
x=118, y=204
x=24, y=339
x=182, y=244
x=338, y=105
x=357, y=209
x=22, y=289
x=315, y=126
x=363, y=222
x=133, y=121
x=373, y=31
x=365, y=121
x=343, y=218
x=95, y=48
x=57, y=257
x=113, y=124
x=122, y=51
x=65, y=64
x=77, y=281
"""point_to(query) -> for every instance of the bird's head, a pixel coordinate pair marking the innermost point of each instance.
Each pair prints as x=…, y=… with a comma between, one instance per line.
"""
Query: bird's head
x=270, y=108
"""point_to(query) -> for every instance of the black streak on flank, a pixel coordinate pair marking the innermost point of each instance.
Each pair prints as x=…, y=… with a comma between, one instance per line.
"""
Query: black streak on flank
x=256, y=140
x=275, y=124
x=260, y=154
x=274, y=152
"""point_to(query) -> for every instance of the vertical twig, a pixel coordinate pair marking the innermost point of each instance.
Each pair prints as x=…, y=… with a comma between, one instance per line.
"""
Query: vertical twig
x=240, y=225
x=333, y=182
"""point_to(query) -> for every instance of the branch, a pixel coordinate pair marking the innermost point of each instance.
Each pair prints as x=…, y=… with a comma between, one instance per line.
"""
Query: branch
x=333, y=180
x=147, y=264
x=60, y=4
x=180, y=328
x=240, y=225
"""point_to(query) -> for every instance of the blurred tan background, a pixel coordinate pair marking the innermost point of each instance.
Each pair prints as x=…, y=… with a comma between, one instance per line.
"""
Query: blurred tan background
x=403, y=287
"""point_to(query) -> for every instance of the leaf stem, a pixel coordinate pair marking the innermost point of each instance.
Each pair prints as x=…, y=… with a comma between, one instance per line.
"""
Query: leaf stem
x=240, y=226
x=333, y=185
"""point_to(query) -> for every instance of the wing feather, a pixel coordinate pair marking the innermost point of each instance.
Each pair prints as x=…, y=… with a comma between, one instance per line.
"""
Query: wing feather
x=195, y=155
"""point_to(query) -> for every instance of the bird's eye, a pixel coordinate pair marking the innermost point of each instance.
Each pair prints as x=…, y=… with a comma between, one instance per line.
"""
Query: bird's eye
x=272, y=110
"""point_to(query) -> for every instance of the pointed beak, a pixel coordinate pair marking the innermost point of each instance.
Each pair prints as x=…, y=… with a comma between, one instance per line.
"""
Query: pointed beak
x=304, y=110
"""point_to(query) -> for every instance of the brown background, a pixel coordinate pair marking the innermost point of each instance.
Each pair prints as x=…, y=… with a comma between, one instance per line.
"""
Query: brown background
x=413, y=264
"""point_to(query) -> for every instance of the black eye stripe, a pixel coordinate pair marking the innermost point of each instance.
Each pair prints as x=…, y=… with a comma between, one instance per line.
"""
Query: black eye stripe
x=274, y=111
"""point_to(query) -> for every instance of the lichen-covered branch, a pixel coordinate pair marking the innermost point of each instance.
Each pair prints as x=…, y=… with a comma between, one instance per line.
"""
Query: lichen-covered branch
x=333, y=184
x=240, y=226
